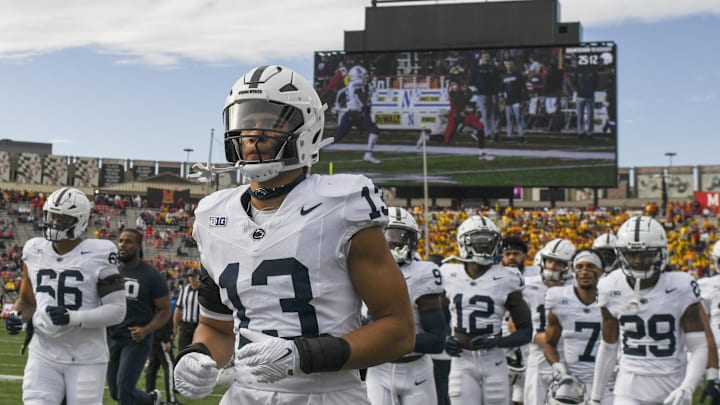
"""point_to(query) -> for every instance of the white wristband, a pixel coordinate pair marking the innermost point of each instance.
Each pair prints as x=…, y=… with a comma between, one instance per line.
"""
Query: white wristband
x=711, y=374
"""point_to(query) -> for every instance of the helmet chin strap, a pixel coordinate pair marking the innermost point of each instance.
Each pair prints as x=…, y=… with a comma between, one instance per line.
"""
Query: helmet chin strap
x=270, y=193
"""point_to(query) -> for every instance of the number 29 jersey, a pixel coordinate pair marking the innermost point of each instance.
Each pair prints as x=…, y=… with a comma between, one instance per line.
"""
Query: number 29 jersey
x=652, y=341
x=68, y=280
x=289, y=276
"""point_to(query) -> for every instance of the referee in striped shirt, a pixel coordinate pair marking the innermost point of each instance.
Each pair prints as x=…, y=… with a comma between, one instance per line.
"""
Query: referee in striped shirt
x=187, y=310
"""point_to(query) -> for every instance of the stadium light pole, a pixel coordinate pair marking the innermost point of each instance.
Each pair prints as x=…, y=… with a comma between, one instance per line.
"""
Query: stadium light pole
x=187, y=160
x=425, y=192
x=670, y=156
x=666, y=175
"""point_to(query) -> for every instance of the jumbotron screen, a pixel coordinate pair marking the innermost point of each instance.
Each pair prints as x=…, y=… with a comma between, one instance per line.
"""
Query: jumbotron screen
x=483, y=117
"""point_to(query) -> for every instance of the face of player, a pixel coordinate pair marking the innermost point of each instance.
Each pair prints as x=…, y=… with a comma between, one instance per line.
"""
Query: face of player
x=587, y=275
x=514, y=258
x=262, y=143
x=128, y=247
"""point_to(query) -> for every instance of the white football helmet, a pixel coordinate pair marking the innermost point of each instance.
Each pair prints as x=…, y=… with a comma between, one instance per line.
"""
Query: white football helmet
x=358, y=74
x=641, y=247
x=402, y=234
x=278, y=100
x=566, y=390
x=66, y=214
x=562, y=252
x=605, y=245
x=478, y=240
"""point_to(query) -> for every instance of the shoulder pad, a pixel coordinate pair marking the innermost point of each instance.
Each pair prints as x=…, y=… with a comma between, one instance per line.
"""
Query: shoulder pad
x=338, y=185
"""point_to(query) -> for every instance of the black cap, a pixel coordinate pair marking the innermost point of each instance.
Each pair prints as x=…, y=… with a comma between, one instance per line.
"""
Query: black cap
x=510, y=243
x=193, y=272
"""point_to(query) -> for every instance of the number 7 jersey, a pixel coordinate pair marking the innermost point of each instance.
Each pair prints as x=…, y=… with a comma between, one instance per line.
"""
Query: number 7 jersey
x=289, y=276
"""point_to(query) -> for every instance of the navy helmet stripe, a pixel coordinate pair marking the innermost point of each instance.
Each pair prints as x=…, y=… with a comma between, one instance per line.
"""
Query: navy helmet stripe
x=60, y=196
x=256, y=75
x=637, y=229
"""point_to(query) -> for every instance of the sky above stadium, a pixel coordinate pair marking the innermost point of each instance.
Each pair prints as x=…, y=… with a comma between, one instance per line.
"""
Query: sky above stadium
x=145, y=79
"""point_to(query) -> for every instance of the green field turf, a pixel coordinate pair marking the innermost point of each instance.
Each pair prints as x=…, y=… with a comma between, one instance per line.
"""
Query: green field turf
x=444, y=169
x=12, y=364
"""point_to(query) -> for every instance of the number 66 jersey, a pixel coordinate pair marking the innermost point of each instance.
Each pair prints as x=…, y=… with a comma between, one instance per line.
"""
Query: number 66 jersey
x=285, y=273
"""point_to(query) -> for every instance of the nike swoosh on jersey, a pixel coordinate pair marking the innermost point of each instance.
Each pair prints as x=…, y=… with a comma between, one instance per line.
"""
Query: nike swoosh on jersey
x=304, y=211
x=669, y=290
x=83, y=252
x=496, y=278
x=419, y=382
x=498, y=363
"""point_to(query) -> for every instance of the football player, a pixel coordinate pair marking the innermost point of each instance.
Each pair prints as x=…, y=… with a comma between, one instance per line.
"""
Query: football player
x=288, y=259
x=555, y=270
x=573, y=314
x=710, y=294
x=514, y=254
x=148, y=309
x=657, y=314
x=357, y=100
x=605, y=245
x=409, y=379
x=72, y=290
x=480, y=293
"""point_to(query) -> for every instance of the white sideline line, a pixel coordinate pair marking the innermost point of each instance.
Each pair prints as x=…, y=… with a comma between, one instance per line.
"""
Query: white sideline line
x=10, y=378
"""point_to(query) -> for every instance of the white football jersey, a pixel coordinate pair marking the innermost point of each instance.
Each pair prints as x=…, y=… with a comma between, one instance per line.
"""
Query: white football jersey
x=710, y=293
x=68, y=280
x=289, y=277
x=477, y=306
x=580, y=330
x=422, y=278
x=358, y=95
x=652, y=340
x=534, y=294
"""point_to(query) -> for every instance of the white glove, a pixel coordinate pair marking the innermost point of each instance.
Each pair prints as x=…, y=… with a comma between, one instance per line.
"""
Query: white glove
x=680, y=396
x=268, y=358
x=558, y=370
x=195, y=375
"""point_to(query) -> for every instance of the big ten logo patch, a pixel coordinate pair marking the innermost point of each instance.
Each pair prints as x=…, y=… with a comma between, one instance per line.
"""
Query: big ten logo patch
x=218, y=221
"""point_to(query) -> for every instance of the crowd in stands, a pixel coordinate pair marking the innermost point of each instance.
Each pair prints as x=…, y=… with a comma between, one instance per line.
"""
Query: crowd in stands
x=167, y=231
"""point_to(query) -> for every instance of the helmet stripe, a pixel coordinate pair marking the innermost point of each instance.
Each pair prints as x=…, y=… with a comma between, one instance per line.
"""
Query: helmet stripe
x=60, y=196
x=637, y=229
x=256, y=75
x=557, y=245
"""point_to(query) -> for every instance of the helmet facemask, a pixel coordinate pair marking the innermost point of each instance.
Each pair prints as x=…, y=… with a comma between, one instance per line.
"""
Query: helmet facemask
x=559, y=271
x=58, y=227
x=641, y=262
x=261, y=124
x=480, y=247
x=609, y=257
x=402, y=243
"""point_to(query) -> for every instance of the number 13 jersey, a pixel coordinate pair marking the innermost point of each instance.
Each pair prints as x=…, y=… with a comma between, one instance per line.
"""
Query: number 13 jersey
x=288, y=276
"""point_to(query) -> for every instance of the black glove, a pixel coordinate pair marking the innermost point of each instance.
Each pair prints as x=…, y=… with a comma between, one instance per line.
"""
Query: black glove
x=712, y=390
x=452, y=346
x=13, y=323
x=485, y=342
x=59, y=315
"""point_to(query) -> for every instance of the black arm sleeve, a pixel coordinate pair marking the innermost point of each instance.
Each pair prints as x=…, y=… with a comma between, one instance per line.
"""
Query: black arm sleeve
x=432, y=339
x=110, y=284
x=521, y=336
x=209, y=294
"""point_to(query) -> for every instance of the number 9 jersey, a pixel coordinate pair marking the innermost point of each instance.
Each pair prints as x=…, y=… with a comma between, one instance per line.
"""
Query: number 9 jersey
x=286, y=274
